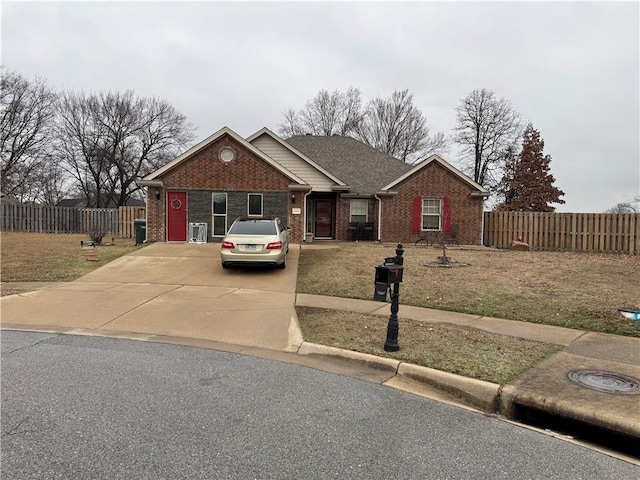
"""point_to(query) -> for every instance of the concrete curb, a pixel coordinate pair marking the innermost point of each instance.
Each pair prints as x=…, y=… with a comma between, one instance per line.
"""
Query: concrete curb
x=369, y=360
x=295, y=334
x=477, y=393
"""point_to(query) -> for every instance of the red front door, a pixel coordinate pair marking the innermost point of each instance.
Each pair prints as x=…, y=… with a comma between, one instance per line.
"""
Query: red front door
x=177, y=217
x=324, y=218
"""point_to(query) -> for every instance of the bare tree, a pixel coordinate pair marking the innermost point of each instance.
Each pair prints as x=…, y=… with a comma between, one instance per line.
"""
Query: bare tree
x=325, y=114
x=487, y=129
x=28, y=109
x=393, y=125
x=632, y=206
x=109, y=140
x=397, y=127
x=50, y=184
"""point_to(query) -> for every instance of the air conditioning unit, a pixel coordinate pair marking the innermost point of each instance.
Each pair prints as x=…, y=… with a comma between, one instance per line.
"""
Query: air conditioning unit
x=197, y=233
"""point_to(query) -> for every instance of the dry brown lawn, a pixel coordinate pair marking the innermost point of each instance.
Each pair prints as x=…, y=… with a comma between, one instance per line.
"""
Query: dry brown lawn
x=48, y=257
x=575, y=290
x=464, y=351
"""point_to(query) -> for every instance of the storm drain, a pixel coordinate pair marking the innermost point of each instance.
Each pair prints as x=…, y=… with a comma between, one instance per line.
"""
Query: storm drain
x=607, y=382
x=590, y=435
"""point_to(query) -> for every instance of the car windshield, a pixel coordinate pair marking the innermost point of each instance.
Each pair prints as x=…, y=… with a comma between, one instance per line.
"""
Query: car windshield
x=253, y=227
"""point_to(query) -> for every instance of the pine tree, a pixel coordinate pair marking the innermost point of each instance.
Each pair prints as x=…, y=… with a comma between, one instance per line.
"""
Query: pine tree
x=527, y=183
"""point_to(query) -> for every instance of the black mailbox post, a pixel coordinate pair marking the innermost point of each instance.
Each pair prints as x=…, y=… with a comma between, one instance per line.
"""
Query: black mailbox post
x=388, y=278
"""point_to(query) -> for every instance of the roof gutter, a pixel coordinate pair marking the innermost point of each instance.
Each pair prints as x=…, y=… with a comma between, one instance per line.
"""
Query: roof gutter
x=296, y=186
x=150, y=183
x=477, y=193
x=386, y=193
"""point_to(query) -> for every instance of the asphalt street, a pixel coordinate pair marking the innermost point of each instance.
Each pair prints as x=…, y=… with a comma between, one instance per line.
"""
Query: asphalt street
x=93, y=407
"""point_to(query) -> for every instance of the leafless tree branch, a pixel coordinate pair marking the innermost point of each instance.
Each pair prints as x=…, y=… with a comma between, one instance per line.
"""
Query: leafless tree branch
x=28, y=109
x=487, y=127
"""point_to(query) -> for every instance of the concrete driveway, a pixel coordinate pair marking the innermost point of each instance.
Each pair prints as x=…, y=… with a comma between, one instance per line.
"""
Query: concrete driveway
x=176, y=290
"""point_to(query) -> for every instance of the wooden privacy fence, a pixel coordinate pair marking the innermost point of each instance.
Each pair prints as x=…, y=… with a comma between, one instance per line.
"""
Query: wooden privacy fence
x=589, y=232
x=126, y=216
x=45, y=219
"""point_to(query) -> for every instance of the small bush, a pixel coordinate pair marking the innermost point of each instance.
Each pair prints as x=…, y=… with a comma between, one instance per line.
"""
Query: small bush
x=96, y=233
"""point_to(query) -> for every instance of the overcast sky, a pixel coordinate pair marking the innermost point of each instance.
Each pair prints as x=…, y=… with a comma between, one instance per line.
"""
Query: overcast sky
x=571, y=69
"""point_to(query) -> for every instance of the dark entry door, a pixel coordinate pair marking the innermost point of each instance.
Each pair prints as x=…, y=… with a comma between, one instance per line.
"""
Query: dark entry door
x=177, y=217
x=324, y=218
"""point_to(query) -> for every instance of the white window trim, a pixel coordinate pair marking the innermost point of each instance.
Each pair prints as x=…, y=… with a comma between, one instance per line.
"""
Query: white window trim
x=214, y=215
x=261, y=205
x=424, y=214
x=355, y=201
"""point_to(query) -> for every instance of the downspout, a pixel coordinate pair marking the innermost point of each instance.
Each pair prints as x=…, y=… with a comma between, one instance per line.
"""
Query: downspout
x=482, y=223
x=304, y=220
x=146, y=217
x=380, y=215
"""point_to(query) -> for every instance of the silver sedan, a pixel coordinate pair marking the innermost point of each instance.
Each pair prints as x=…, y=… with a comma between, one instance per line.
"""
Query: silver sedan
x=252, y=241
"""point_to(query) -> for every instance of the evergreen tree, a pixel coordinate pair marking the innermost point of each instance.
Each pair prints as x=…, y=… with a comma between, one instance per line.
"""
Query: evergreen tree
x=527, y=183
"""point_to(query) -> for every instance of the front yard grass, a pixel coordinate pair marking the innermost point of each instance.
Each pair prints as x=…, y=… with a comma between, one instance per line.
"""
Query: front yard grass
x=464, y=351
x=49, y=257
x=574, y=290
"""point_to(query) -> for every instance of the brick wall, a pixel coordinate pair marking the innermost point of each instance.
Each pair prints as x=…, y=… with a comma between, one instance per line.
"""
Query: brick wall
x=432, y=181
x=205, y=173
x=155, y=216
x=343, y=217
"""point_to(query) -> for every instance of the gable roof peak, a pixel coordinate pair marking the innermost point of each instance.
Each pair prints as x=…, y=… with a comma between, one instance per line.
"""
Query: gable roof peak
x=441, y=161
x=208, y=141
x=288, y=146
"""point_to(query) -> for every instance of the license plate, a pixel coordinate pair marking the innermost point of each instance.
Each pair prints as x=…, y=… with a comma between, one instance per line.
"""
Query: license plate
x=250, y=247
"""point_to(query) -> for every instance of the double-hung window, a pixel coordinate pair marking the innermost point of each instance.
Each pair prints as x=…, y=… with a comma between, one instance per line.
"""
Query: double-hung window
x=219, y=214
x=431, y=214
x=254, y=205
x=359, y=210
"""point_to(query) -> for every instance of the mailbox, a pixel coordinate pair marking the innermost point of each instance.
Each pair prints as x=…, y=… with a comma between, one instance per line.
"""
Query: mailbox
x=389, y=273
x=386, y=275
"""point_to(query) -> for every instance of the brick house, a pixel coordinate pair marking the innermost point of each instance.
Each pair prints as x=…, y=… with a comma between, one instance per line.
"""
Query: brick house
x=323, y=187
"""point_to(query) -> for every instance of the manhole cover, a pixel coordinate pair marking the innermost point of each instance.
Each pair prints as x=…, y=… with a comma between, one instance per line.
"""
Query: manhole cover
x=606, y=382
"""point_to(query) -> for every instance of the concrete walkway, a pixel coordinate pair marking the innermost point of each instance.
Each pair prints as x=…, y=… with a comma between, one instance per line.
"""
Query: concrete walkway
x=179, y=293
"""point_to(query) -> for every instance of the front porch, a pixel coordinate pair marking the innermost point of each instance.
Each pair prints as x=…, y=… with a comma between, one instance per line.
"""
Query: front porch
x=335, y=216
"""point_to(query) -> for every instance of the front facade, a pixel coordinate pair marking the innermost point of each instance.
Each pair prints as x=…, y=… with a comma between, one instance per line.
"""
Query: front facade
x=321, y=187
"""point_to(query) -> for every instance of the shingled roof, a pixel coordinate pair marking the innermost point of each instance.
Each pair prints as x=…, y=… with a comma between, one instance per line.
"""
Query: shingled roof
x=366, y=169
